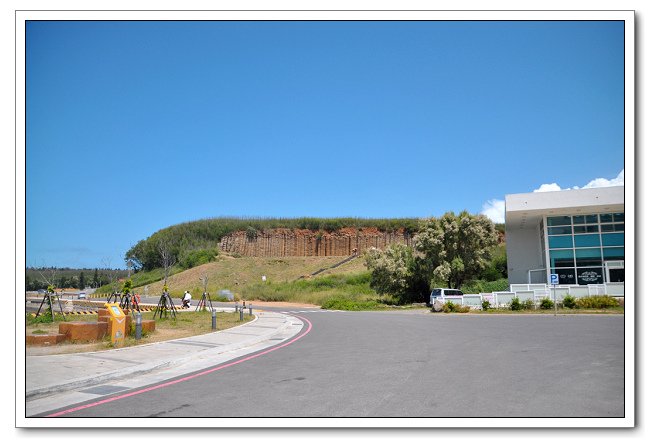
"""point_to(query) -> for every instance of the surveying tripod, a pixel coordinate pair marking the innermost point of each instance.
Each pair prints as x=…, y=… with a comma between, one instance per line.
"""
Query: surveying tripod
x=48, y=297
x=115, y=297
x=205, y=301
x=165, y=304
x=127, y=302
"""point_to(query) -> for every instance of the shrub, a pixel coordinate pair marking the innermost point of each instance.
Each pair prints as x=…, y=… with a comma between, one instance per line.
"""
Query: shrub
x=199, y=257
x=251, y=233
x=449, y=307
x=597, y=302
x=569, y=302
x=528, y=304
x=478, y=286
x=127, y=287
x=485, y=305
x=350, y=305
x=546, y=304
x=515, y=305
x=462, y=309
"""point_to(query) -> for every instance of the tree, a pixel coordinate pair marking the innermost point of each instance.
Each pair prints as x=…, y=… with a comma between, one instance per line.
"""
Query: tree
x=96, y=283
x=451, y=249
x=456, y=248
x=167, y=257
x=110, y=273
x=398, y=272
x=82, y=281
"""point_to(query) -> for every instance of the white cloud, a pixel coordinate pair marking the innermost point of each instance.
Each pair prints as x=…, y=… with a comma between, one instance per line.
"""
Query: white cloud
x=595, y=183
x=495, y=209
x=547, y=187
x=600, y=182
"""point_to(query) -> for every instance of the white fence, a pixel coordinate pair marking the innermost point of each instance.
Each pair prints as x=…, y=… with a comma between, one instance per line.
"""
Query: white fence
x=544, y=290
x=537, y=292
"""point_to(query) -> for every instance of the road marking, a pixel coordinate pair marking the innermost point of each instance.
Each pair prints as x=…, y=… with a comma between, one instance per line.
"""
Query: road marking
x=186, y=378
x=312, y=311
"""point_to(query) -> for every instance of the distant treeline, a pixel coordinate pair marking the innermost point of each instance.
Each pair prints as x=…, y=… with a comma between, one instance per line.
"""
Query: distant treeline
x=193, y=243
x=40, y=278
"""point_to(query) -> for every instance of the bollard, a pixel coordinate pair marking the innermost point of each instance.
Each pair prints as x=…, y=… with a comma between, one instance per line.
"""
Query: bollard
x=241, y=314
x=138, y=325
x=214, y=320
x=236, y=307
x=250, y=310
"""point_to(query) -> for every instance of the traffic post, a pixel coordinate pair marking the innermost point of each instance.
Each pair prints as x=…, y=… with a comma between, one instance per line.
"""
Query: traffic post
x=138, y=325
x=554, y=279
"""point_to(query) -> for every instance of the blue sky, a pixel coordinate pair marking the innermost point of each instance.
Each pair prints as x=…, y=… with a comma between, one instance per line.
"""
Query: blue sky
x=135, y=126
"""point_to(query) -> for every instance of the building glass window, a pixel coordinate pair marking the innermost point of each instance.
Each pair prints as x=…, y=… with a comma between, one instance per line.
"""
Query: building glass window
x=559, y=242
x=613, y=253
x=613, y=239
x=558, y=221
x=588, y=257
x=580, y=245
x=566, y=276
x=561, y=258
x=585, y=229
x=591, y=275
x=587, y=240
x=564, y=230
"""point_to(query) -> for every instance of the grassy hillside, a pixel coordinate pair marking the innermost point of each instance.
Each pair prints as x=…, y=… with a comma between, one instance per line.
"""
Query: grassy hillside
x=242, y=274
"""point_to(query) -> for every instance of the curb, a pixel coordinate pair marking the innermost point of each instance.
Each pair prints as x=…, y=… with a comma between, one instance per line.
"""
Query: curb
x=152, y=366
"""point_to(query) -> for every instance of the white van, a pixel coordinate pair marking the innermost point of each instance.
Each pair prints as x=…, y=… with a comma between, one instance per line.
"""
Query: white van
x=446, y=295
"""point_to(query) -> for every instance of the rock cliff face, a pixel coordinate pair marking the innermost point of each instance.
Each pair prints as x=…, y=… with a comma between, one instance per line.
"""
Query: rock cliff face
x=301, y=243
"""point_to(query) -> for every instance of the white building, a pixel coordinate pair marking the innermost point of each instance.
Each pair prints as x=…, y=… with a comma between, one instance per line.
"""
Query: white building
x=578, y=234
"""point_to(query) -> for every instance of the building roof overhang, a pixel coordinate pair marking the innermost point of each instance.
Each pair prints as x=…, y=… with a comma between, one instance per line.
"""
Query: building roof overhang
x=525, y=210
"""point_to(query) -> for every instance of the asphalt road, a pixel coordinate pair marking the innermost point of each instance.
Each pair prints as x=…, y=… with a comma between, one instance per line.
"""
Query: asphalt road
x=401, y=364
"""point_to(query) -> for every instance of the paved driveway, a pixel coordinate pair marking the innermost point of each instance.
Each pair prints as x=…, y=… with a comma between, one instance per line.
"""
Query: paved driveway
x=392, y=364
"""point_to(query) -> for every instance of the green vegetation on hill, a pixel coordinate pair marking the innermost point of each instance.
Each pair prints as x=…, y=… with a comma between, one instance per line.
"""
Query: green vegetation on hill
x=194, y=243
x=329, y=291
x=344, y=287
x=237, y=274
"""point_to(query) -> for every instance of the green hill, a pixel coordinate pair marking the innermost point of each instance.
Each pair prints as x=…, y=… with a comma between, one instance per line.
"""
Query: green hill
x=240, y=274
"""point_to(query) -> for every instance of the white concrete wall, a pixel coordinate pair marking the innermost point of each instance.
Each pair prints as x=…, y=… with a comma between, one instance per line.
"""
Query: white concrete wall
x=524, y=252
x=557, y=200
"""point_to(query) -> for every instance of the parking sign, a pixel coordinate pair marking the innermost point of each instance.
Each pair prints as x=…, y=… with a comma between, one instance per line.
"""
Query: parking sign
x=554, y=279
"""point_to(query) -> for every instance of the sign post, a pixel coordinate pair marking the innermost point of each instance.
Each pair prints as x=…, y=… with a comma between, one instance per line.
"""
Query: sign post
x=554, y=279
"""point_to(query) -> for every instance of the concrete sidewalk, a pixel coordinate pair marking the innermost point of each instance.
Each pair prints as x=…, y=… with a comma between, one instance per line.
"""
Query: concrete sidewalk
x=49, y=375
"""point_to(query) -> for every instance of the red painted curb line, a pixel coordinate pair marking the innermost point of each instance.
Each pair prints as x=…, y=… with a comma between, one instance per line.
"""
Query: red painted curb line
x=186, y=378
